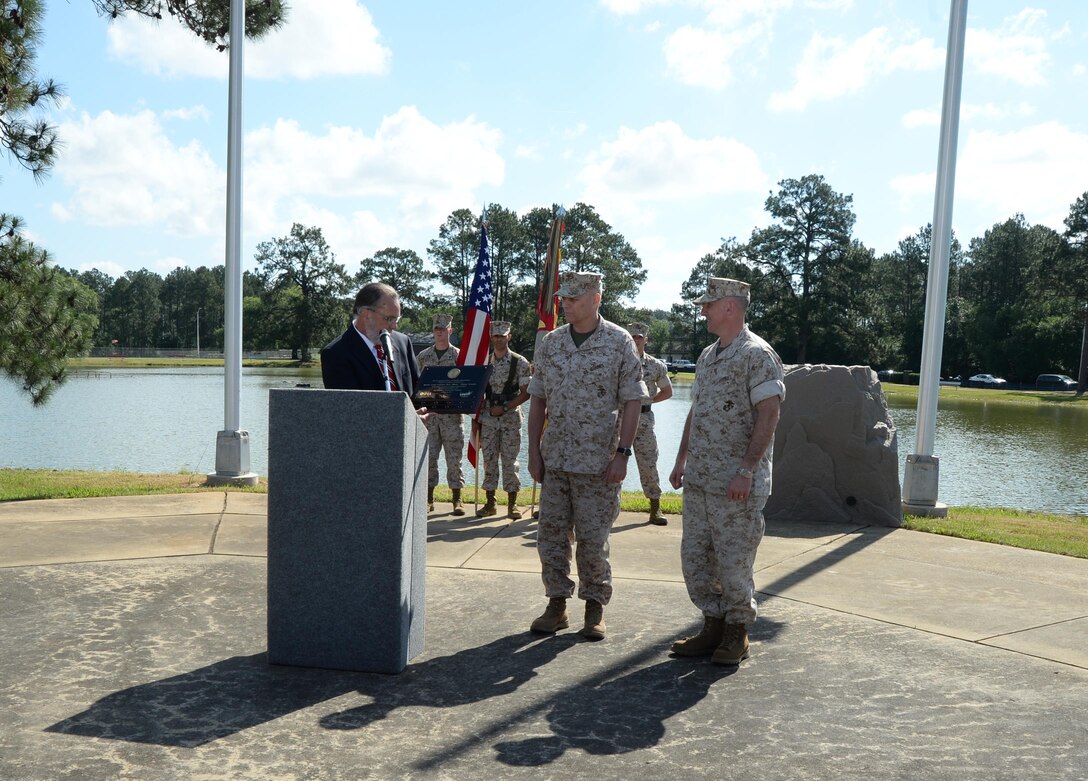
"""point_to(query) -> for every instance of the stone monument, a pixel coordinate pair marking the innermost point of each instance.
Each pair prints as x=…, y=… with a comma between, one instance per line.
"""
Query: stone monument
x=835, y=449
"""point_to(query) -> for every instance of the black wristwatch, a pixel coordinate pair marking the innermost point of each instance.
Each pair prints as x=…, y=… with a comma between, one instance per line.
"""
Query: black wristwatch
x=625, y=451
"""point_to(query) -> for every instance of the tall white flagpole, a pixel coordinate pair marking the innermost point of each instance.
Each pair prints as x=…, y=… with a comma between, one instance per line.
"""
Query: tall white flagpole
x=921, y=477
x=232, y=443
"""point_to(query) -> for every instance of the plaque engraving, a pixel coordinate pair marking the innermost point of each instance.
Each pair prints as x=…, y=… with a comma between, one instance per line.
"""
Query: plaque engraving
x=452, y=389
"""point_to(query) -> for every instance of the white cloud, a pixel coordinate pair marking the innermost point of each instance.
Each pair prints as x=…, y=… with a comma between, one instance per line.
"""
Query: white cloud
x=830, y=5
x=667, y=268
x=630, y=7
x=327, y=37
x=730, y=14
x=352, y=236
x=931, y=117
x=833, y=67
x=417, y=172
x=910, y=186
x=701, y=57
x=1015, y=51
x=922, y=117
x=125, y=170
x=192, y=112
x=661, y=163
x=109, y=267
x=425, y=168
x=1038, y=170
x=1079, y=69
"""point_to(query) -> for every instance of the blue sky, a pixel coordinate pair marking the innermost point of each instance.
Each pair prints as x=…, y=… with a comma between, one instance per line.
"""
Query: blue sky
x=674, y=118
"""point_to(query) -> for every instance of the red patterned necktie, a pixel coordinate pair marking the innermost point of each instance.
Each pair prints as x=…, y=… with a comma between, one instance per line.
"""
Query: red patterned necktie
x=387, y=367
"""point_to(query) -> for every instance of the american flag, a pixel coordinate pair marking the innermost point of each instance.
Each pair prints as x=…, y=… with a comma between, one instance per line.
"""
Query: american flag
x=476, y=336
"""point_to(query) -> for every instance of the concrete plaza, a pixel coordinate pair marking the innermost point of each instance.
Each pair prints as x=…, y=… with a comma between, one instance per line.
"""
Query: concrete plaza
x=134, y=635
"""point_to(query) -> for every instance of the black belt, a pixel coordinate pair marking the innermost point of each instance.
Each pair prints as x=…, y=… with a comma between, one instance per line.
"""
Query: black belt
x=645, y=407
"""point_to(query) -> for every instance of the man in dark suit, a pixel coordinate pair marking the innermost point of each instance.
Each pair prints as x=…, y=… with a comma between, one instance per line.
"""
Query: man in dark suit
x=353, y=360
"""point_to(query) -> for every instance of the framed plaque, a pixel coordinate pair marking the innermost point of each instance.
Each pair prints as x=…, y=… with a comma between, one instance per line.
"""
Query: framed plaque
x=452, y=389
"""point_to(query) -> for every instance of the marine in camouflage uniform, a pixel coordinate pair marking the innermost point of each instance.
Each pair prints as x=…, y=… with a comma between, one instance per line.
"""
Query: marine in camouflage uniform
x=500, y=422
x=724, y=465
x=659, y=388
x=584, y=372
x=445, y=432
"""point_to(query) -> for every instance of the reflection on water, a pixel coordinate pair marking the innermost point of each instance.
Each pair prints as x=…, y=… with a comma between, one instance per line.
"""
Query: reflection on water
x=143, y=420
x=1031, y=457
x=165, y=420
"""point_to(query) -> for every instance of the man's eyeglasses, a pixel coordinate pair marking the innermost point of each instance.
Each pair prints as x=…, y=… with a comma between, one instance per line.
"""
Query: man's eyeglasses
x=386, y=318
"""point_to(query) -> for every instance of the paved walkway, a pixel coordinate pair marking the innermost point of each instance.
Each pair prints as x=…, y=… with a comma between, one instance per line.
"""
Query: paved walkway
x=132, y=647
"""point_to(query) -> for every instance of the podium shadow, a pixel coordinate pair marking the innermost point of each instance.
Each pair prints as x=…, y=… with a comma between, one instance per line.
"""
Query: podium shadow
x=476, y=674
x=209, y=703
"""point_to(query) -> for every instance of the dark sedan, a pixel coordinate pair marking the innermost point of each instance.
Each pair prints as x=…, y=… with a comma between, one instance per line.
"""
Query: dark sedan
x=680, y=366
x=1061, y=382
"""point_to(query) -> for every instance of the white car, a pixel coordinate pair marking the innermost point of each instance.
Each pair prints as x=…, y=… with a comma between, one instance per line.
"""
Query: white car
x=985, y=381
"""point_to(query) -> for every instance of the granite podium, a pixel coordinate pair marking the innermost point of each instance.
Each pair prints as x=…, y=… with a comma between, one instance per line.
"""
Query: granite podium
x=347, y=529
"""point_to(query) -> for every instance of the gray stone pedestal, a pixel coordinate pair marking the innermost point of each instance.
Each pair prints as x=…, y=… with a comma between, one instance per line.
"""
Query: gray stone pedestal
x=835, y=449
x=347, y=525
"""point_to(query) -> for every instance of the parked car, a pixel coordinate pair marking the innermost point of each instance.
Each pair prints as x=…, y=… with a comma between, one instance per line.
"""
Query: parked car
x=984, y=381
x=680, y=366
x=1062, y=382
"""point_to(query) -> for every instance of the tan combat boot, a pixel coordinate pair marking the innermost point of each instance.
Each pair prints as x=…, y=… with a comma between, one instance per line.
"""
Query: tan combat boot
x=512, y=508
x=656, y=518
x=734, y=647
x=704, y=643
x=430, y=499
x=489, y=506
x=553, y=619
x=593, y=629
x=457, y=508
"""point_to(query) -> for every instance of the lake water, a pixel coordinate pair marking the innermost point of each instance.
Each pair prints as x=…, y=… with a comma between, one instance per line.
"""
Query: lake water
x=165, y=420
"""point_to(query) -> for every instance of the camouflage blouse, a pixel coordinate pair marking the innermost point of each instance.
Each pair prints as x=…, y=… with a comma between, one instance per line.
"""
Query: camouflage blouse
x=584, y=387
x=727, y=387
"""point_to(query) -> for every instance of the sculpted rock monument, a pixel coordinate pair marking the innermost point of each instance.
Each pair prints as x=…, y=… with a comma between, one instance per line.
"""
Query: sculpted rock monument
x=835, y=452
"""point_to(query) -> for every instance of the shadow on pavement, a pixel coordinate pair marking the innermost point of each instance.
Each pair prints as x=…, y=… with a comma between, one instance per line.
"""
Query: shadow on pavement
x=209, y=703
x=621, y=715
x=473, y=675
x=615, y=710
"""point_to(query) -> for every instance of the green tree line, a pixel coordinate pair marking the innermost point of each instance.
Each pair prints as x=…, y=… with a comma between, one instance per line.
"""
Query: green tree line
x=1016, y=307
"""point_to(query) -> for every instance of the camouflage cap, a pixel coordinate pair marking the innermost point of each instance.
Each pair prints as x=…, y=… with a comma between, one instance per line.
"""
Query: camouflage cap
x=576, y=283
x=638, y=329
x=500, y=328
x=442, y=321
x=720, y=287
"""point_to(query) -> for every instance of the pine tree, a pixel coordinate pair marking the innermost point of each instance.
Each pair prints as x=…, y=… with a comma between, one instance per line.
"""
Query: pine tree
x=46, y=317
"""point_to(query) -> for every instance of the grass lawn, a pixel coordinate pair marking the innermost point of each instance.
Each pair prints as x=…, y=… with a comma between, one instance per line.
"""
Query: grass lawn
x=910, y=393
x=1064, y=534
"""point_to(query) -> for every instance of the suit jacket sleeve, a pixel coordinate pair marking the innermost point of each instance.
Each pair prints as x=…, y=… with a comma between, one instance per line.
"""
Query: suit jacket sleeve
x=408, y=367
